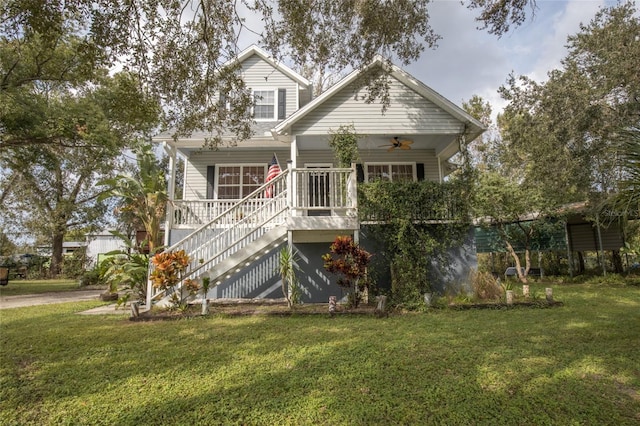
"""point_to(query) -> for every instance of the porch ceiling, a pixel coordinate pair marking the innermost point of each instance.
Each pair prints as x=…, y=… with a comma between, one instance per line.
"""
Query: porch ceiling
x=444, y=145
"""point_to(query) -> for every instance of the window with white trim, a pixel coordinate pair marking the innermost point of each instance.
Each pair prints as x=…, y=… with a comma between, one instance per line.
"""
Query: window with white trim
x=235, y=182
x=265, y=105
x=399, y=172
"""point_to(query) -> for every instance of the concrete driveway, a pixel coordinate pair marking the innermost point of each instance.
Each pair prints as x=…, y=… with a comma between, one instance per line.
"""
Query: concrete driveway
x=7, y=302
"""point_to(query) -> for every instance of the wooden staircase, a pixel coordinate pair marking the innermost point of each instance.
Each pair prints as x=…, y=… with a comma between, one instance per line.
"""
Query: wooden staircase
x=233, y=239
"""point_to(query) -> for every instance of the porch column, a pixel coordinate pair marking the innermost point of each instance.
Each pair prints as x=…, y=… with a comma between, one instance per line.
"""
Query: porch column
x=439, y=169
x=294, y=151
x=171, y=190
x=291, y=184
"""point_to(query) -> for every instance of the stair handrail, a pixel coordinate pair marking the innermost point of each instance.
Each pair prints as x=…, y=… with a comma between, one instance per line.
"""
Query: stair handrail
x=276, y=187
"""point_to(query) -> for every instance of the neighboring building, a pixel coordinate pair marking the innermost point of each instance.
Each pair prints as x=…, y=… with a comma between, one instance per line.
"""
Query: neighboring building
x=232, y=225
x=68, y=248
x=100, y=243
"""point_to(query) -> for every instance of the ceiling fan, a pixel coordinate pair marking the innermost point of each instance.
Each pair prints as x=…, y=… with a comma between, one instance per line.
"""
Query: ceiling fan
x=398, y=143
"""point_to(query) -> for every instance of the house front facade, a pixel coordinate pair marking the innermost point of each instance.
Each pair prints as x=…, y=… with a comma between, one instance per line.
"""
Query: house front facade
x=235, y=216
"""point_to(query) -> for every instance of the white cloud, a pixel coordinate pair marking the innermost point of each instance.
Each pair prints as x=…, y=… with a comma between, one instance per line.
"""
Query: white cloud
x=469, y=61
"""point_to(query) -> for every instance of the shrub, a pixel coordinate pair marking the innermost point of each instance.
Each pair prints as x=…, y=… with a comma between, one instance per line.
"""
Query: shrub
x=349, y=262
x=485, y=285
x=73, y=265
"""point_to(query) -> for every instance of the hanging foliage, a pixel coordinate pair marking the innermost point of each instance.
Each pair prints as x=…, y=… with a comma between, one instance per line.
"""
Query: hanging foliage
x=415, y=224
x=344, y=143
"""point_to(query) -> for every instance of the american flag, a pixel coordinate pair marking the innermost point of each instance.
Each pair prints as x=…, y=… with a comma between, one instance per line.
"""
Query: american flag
x=274, y=170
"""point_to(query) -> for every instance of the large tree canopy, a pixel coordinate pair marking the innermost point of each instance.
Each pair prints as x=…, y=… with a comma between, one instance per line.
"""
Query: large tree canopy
x=58, y=142
x=181, y=49
x=566, y=131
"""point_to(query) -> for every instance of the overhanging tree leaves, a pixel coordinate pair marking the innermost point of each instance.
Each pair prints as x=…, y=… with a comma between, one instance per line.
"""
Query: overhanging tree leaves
x=626, y=203
x=183, y=50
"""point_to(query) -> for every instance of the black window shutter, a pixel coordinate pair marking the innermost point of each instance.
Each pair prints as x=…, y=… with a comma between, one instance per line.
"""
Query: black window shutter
x=282, y=104
x=360, y=173
x=420, y=171
x=211, y=177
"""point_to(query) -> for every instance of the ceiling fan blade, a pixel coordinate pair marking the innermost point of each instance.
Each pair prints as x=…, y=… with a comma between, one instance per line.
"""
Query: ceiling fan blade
x=391, y=149
x=405, y=147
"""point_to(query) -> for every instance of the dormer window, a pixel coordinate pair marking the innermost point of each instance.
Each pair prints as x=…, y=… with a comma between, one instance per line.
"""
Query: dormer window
x=265, y=105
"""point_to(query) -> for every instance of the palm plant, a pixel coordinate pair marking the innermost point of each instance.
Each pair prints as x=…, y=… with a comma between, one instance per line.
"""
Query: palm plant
x=126, y=268
x=287, y=267
x=627, y=201
x=143, y=195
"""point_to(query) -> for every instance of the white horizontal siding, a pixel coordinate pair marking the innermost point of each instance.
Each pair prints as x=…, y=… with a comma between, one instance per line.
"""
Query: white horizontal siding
x=408, y=113
x=259, y=74
x=103, y=244
x=195, y=180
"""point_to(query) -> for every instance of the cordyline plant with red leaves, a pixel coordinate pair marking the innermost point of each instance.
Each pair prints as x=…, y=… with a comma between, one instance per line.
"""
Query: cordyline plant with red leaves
x=350, y=262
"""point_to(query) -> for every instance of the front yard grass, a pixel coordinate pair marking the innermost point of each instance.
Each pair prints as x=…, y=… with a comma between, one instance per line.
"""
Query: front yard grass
x=21, y=287
x=577, y=364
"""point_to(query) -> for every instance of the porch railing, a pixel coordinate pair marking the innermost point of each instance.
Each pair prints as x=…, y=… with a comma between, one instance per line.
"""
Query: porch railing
x=424, y=201
x=227, y=226
x=231, y=230
x=330, y=191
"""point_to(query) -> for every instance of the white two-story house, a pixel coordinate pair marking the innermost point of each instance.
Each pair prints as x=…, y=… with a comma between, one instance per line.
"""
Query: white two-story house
x=232, y=223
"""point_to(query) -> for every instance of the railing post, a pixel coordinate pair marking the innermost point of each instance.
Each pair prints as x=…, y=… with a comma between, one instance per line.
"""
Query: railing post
x=149, y=290
x=352, y=188
x=291, y=186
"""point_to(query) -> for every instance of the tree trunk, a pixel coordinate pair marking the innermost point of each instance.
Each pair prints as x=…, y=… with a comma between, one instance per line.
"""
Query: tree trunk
x=617, y=261
x=516, y=259
x=527, y=262
x=580, y=263
x=56, y=254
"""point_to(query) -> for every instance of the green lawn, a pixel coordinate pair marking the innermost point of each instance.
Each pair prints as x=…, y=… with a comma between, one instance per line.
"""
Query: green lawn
x=575, y=364
x=18, y=287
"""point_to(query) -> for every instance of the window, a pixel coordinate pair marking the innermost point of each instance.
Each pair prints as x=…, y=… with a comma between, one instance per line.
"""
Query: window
x=236, y=182
x=391, y=172
x=265, y=105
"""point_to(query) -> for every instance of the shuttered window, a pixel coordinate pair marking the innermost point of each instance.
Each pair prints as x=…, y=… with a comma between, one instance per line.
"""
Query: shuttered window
x=265, y=105
x=282, y=104
x=237, y=181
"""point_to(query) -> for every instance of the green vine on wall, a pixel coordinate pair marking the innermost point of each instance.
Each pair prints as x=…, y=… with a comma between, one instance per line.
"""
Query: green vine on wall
x=344, y=143
x=415, y=223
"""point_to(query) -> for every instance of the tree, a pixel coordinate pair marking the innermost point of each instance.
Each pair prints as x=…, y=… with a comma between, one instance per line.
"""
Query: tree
x=58, y=141
x=483, y=150
x=564, y=131
x=143, y=195
x=519, y=213
x=183, y=51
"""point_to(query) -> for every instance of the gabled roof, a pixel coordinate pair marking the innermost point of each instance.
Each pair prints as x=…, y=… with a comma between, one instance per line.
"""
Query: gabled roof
x=255, y=50
x=474, y=127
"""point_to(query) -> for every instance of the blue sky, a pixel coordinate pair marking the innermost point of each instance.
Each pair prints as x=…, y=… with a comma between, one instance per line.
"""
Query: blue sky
x=469, y=61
